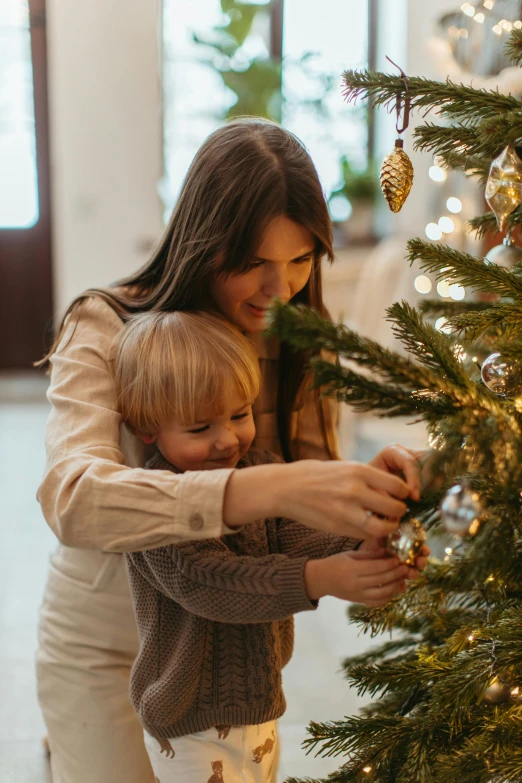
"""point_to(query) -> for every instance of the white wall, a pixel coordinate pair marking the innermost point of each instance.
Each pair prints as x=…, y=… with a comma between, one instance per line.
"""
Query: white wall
x=106, y=146
x=106, y=135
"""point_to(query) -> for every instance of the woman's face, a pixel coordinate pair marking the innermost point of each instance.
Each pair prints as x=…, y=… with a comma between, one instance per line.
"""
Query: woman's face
x=281, y=268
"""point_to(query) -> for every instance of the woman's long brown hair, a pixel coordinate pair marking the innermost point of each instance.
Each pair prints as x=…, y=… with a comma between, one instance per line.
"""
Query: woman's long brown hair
x=244, y=175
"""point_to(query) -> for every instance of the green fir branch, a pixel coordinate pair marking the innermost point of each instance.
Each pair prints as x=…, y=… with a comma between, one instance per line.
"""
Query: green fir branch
x=456, y=100
x=439, y=307
x=513, y=47
x=446, y=262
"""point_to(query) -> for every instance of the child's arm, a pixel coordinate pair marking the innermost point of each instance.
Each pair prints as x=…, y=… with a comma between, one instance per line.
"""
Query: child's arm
x=209, y=580
x=370, y=578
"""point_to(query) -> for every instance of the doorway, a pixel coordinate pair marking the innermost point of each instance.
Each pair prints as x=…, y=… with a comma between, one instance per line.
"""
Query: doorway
x=25, y=213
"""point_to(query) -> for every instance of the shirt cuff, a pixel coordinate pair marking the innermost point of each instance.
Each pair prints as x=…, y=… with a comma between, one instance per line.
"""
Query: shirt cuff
x=201, y=498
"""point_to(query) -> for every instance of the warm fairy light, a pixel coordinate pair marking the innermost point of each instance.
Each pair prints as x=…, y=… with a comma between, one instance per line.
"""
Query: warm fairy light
x=474, y=527
x=479, y=18
x=422, y=284
x=446, y=224
x=506, y=25
x=497, y=29
x=490, y=579
x=449, y=550
x=471, y=638
x=443, y=289
x=474, y=359
x=468, y=9
x=463, y=33
x=457, y=292
x=367, y=769
x=517, y=24
x=454, y=204
x=437, y=174
x=488, y=4
x=453, y=31
x=460, y=353
x=515, y=691
x=433, y=231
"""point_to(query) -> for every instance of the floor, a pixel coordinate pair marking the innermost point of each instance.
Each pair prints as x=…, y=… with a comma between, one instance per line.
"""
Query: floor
x=314, y=688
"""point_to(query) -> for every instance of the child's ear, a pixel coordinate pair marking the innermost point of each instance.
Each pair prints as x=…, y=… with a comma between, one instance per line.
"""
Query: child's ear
x=148, y=439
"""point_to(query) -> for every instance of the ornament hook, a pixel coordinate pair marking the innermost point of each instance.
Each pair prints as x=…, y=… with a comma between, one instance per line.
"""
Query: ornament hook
x=400, y=107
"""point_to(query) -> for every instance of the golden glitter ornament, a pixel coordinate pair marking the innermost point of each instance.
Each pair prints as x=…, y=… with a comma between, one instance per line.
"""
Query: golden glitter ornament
x=504, y=185
x=396, y=177
x=397, y=169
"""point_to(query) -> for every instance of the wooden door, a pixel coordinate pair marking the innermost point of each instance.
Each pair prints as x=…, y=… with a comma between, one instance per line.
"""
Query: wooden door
x=25, y=219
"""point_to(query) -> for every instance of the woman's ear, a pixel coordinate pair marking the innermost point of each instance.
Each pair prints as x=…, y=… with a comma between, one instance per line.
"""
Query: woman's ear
x=148, y=439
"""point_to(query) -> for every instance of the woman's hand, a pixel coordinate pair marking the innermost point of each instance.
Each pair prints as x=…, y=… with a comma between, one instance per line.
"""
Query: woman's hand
x=370, y=578
x=347, y=498
x=373, y=545
x=401, y=461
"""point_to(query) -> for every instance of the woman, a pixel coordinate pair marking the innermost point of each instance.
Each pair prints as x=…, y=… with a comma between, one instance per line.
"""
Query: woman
x=251, y=224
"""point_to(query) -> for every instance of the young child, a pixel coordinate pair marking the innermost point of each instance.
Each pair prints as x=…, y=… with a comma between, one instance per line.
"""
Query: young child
x=215, y=616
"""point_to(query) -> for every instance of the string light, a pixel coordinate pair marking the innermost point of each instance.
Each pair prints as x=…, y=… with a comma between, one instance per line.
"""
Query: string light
x=437, y=174
x=515, y=691
x=506, y=25
x=443, y=289
x=457, y=292
x=442, y=325
x=453, y=31
x=479, y=18
x=497, y=29
x=471, y=638
x=489, y=4
x=518, y=25
x=446, y=224
x=463, y=33
x=468, y=9
x=422, y=284
x=454, y=204
x=460, y=353
x=367, y=769
x=433, y=231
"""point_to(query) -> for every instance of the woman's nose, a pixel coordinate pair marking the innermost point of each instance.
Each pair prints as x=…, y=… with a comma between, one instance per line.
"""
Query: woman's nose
x=277, y=285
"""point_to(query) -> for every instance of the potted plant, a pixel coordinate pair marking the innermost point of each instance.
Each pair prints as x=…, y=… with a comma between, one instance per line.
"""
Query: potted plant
x=352, y=205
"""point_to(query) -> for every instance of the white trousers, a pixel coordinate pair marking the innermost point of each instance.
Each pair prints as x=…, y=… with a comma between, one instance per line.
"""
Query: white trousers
x=225, y=754
x=87, y=644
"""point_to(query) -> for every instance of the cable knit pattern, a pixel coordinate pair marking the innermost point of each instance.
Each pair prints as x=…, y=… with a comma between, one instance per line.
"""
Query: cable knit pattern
x=215, y=619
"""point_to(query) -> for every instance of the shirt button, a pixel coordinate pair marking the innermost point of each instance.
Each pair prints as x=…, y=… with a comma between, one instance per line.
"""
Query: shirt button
x=196, y=521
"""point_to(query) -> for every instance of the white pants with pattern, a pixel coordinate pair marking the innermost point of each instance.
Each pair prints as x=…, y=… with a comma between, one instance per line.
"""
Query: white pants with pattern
x=225, y=754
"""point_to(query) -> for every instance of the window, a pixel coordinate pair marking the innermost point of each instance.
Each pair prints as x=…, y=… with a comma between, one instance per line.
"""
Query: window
x=18, y=175
x=221, y=58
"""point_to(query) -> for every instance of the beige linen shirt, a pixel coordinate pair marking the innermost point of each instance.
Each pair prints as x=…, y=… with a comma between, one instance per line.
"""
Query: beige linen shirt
x=96, y=494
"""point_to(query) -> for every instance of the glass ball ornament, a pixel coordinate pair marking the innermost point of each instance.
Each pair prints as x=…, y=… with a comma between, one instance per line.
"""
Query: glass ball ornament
x=407, y=541
x=497, y=692
x=506, y=254
x=460, y=510
x=504, y=184
x=499, y=375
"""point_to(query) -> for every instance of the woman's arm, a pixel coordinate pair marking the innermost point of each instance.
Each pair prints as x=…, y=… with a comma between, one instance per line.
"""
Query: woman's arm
x=89, y=497
x=209, y=580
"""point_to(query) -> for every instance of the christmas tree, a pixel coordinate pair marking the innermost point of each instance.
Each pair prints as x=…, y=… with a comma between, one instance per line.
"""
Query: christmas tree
x=448, y=683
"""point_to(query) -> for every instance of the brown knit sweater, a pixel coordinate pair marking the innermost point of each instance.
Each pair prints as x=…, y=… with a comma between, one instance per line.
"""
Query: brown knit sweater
x=215, y=621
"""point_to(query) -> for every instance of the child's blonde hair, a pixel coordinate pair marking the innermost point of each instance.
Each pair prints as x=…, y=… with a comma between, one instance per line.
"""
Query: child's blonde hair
x=172, y=365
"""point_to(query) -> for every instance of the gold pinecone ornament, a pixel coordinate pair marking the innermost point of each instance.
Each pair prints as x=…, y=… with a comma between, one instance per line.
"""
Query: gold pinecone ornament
x=396, y=177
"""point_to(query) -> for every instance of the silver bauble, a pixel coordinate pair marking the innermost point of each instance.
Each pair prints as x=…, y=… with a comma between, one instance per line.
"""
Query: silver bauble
x=507, y=254
x=406, y=542
x=497, y=692
x=460, y=509
x=499, y=375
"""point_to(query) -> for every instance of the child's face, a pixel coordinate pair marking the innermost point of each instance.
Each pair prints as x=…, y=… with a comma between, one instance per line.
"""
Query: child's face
x=209, y=443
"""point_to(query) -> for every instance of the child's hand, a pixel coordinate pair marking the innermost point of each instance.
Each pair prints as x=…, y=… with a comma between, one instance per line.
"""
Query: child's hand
x=372, y=545
x=370, y=578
